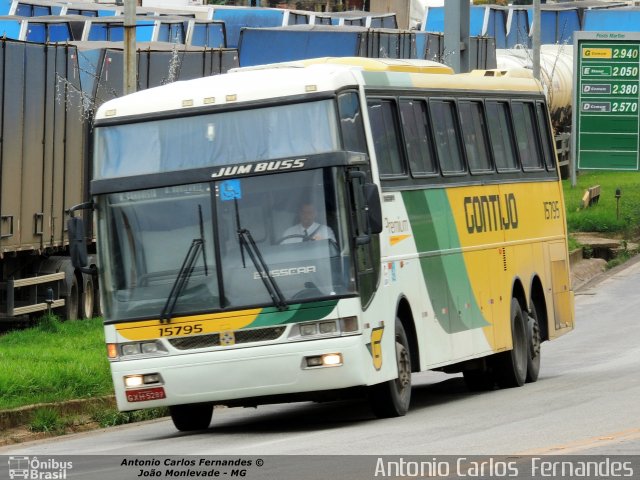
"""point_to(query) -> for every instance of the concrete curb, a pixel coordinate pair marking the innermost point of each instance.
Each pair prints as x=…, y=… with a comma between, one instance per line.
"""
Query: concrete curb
x=22, y=416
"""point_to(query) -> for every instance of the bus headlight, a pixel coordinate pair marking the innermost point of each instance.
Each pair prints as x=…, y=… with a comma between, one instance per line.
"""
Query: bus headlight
x=133, y=349
x=325, y=328
x=134, y=381
x=326, y=360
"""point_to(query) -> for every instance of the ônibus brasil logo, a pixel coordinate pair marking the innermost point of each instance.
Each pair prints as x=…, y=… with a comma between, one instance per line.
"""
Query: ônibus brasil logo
x=32, y=468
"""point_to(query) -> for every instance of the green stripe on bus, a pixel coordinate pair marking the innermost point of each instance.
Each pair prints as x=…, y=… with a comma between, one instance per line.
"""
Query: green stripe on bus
x=299, y=312
x=445, y=276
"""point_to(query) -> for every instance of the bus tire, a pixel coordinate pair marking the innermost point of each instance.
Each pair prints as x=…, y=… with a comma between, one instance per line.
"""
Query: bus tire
x=71, y=300
x=87, y=299
x=392, y=398
x=511, y=368
x=191, y=417
x=533, y=344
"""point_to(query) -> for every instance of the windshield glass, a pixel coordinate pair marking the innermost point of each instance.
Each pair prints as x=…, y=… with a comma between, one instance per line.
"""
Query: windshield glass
x=297, y=222
x=299, y=225
x=215, y=139
x=148, y=235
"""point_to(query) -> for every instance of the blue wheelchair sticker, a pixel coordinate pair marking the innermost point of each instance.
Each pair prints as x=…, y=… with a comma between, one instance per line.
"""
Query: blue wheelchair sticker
x=230, y=190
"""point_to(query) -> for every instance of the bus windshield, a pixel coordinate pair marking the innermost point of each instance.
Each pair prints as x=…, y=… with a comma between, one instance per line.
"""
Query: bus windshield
x=297, y=223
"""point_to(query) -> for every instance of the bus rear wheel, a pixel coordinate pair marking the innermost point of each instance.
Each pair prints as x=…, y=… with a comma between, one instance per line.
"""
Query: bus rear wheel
x=511, y=366
x=533, y=343
x=392, y=398
x=191, y=417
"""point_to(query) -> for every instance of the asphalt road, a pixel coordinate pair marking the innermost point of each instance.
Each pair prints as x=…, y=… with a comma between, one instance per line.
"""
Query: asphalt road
x=586, y=401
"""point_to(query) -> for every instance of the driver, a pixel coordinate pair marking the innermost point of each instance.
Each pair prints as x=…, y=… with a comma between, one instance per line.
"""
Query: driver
x=307, y=229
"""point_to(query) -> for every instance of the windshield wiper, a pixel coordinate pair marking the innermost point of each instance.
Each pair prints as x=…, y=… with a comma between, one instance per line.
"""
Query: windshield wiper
x=185, y=272
x=246, y=241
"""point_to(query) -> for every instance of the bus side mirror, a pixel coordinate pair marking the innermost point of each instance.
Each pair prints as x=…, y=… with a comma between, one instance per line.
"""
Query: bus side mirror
x=374, y=209
x=77, y=243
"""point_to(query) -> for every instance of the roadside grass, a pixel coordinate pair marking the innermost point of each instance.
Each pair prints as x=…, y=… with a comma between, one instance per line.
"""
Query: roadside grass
x=52, y=362
x=47, y=420
x=603, y=217
x=111, y=417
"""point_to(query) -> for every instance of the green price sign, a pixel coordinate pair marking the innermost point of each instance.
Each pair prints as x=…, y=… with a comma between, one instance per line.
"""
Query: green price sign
x=606, y=113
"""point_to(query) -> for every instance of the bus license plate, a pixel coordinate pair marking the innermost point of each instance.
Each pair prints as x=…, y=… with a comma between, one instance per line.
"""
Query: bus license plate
x=146, y=394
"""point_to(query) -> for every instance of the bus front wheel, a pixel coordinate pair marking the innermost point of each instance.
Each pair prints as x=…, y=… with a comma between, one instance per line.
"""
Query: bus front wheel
x=392, y=398
x=511, y=368
x=191, y=417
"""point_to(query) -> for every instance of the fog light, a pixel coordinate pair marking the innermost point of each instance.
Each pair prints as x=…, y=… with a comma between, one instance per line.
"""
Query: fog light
x=151, y=378
x=309, y=329
x=328, y=327
x=332, y=359
x=326, y=360
x=131, y=349
x=131, y=381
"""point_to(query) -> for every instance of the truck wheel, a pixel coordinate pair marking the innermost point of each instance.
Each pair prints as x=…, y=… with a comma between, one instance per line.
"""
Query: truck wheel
x=72, y=300
x=191, y=417
x=97, y=305
x=511, y=366
x=87, y=300
x=392, y=398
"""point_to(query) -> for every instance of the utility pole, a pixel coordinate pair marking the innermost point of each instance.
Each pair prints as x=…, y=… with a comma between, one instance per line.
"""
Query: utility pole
x=536, y=39
x=130, y=67
x=456, y=35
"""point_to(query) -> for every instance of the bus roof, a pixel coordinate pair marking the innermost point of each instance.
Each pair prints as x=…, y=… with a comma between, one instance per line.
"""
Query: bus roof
x=254, y=84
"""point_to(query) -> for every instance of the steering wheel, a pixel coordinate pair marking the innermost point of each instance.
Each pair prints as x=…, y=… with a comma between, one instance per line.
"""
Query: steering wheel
x=295, y=235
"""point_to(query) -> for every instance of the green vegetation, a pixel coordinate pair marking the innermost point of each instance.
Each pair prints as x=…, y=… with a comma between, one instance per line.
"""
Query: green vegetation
x=47, y=420
x=573, y=244
x=52, y=362
x=112, y=417
x=603, y=217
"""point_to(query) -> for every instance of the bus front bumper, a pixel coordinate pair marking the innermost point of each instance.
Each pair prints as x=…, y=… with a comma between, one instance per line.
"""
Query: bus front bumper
x=243, y=373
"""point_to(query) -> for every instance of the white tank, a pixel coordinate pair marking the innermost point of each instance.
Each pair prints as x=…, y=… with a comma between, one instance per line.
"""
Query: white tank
x=556, y=72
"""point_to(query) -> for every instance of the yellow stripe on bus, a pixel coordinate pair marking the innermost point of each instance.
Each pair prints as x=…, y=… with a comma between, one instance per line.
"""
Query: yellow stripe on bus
x=182, y=326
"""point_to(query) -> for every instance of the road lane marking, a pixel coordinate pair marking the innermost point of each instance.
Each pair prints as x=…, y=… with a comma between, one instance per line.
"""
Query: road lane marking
x=588, y=443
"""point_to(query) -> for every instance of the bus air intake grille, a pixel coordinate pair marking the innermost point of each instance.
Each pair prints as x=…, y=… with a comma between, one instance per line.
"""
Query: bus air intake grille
x=241, y=336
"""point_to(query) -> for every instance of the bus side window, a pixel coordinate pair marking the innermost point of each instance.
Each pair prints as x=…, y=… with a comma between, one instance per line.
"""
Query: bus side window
x=474, y=134
x=525, y=126
x=353, y=136
x=547, y=137
x=385, y=133
x=447, y=136
x=501, y=136
x=415, y=126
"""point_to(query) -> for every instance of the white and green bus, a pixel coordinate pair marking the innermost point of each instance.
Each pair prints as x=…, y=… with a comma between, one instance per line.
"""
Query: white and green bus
x=438, y=238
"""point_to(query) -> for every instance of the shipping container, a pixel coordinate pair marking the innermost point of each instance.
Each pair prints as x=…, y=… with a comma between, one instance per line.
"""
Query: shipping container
x=48, y=93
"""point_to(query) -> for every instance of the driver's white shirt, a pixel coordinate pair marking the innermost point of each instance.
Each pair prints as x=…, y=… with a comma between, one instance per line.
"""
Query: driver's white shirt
x=320, y=232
